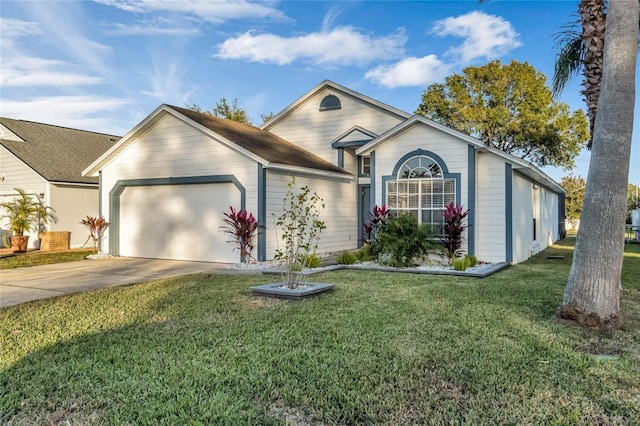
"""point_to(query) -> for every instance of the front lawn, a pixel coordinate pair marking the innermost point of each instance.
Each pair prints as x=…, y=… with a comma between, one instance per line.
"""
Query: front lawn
x=42, y=258
x=383, y=348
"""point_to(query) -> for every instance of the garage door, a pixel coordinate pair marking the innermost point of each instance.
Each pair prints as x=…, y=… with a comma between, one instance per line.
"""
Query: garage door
x=179, y=222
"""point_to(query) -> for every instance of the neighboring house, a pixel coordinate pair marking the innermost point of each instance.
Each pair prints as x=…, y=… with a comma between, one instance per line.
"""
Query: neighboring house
x=47, y=161
x=166, y=184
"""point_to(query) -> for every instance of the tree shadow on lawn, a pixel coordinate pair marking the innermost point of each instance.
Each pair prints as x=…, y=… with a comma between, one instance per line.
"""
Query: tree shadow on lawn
x=199, y=348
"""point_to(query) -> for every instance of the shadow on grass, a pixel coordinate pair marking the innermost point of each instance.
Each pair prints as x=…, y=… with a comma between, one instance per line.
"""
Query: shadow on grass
x=383, y=348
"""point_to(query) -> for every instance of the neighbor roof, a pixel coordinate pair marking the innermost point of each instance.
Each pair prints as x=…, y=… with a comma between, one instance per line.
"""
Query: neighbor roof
x=58, y=154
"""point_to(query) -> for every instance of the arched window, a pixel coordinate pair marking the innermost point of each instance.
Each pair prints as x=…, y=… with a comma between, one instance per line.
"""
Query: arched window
x=421, y=190
x=330, y=102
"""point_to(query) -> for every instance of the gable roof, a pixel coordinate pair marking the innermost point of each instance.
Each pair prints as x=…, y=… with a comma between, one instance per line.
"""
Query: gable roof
x=58, y=154
x=523, y=166
x=355, y=136
x=260, y=145
x=335, y=86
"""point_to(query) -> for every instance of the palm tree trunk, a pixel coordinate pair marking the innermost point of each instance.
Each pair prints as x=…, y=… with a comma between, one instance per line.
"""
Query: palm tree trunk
x=592, y=18
x=592, y=295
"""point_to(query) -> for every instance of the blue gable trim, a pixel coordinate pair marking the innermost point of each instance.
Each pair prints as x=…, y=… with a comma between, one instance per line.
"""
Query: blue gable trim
x=508, y=211
x=471, y=199
x=262, y=213
x=121, y=185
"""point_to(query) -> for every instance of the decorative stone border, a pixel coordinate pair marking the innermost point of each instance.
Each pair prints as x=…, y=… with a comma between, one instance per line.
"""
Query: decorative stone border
x=280, y=291
x=485, y=272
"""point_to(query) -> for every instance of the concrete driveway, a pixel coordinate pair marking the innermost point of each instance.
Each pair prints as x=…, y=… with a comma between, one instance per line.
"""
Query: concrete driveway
x=40, y=282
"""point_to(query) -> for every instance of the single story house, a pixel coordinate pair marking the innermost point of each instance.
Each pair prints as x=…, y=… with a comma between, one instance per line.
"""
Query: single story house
x=165, y=185
x=48, y=161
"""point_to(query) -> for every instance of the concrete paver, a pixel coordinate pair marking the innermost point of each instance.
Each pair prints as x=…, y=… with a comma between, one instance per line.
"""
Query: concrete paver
x=39, y=282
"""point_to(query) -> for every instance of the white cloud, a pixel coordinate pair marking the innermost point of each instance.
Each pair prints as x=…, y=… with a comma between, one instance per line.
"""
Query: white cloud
x=152, y=28
x=14, y=28
x=409, y=72
x=30, y=72
x=340, y=46
x=211, y=11
x=485, y=36
x=78, y=112
x=166, y=81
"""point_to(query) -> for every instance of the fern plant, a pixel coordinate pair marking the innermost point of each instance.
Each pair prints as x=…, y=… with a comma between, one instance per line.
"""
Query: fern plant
x=403, y=241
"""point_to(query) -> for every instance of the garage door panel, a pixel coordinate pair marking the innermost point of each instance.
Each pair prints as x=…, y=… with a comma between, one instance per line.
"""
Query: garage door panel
x=177, y=222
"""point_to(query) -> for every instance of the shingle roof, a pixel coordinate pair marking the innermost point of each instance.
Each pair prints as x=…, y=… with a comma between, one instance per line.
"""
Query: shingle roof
x=262, y=143
x=58, y=154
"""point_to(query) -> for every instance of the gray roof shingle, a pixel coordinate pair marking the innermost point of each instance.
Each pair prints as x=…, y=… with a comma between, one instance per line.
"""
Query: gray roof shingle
x=58, y=154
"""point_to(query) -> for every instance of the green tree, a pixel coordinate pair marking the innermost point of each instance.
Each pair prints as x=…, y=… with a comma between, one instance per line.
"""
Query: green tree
x=267, y=117
x=575, y=187
x=511, y=108
x=222, y=109
x=592, y=294
x=633, y=199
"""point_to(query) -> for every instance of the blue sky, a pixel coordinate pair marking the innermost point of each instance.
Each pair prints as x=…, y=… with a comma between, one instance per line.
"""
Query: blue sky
x=105, y=65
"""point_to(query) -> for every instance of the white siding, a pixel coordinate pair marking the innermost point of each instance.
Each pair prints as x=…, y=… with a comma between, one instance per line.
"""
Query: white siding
x=523, y=208
x=314, y=130
x=72, y=204
x=490, y=208
x=451, y=150
x=340, y=213
x=172, y=148
x=18, y=175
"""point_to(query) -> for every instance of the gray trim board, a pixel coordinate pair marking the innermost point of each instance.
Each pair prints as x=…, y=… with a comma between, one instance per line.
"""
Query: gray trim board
x=121, y=185
x=350, y=143
x=361, y=209
x=508, y=211
x=372, y=180
x=471, y=199
x=262, y=213
x=341, y=157
x=100, y=204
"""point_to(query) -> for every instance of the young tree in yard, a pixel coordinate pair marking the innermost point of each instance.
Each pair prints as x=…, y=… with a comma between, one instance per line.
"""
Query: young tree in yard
x=224, y=110
x=510, y=108
x=592, y=294
x=575, y=187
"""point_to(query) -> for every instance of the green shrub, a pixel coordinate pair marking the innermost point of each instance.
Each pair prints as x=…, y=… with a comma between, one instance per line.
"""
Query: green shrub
x=403, y=241
x=462, y=263
x=309, y=260
x=346, y=258
x=365, y=253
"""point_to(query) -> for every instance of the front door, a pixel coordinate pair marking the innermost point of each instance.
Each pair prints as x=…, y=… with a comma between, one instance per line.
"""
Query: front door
x=364, y=207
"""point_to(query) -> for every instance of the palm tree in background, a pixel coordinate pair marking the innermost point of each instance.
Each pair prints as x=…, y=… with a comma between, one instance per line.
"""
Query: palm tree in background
x=582, y=49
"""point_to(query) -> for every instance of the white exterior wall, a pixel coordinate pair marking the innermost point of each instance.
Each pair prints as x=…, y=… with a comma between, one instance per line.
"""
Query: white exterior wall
x=18, y=175
x=172, y=148
x=451, y=150
x=523, y=244
x=314, y=130
x=490, y=232
x=548, y=218
x=340, y=214
x=72, y=204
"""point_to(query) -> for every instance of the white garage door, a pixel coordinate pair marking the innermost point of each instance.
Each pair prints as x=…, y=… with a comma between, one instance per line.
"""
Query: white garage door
x=179, y=222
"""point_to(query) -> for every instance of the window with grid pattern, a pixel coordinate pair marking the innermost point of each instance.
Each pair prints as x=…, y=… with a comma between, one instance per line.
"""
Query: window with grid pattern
x=421, y=190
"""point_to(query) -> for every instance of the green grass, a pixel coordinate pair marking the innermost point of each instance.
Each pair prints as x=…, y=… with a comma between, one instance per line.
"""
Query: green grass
x=42, y=258
x=383, y=348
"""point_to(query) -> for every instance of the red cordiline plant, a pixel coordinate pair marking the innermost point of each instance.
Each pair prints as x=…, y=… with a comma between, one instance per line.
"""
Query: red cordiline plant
x=377, y=218
x=96, y=227
x=241, y=226
x=454, y=226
